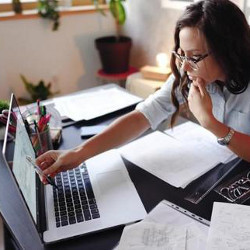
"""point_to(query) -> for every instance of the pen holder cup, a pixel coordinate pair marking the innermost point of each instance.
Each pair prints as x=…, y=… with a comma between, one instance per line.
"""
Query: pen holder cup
x=54, y=126
x=41, y=142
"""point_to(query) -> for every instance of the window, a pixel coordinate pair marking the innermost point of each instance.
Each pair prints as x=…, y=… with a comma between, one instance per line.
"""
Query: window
x=6, y=5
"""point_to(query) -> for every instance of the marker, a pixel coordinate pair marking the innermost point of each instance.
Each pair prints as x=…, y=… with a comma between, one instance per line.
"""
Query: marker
x=40, y=172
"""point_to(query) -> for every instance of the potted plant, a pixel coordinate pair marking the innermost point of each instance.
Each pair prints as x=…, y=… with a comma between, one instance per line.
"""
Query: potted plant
x=114, y=50
x=37, y=91
x=49, y=9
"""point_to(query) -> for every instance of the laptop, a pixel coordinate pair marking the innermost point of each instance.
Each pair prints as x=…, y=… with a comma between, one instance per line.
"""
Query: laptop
x=96, y=195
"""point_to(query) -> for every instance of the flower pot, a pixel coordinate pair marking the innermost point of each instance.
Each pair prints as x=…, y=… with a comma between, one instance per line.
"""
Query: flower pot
x=114, y=53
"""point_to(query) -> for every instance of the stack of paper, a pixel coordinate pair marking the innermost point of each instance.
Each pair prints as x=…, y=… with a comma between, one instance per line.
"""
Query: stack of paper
x=93, y=104
x=177, y=161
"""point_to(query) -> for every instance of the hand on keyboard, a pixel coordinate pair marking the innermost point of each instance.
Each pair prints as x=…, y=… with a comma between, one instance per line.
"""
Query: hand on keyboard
x=56, y=161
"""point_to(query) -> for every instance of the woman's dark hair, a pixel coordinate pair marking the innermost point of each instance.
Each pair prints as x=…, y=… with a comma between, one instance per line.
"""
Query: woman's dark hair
x=228, y=37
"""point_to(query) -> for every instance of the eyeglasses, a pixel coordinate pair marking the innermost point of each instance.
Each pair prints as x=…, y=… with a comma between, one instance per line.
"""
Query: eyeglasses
x=191, y=61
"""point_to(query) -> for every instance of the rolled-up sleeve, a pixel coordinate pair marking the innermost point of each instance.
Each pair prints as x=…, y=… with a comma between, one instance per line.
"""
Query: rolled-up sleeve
x=158, y=107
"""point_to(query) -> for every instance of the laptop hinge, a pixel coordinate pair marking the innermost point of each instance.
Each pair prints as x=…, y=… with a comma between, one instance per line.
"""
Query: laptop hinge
x=41, y=215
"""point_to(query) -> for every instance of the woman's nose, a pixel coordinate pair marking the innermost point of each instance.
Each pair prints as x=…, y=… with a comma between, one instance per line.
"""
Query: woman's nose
x=186, y=66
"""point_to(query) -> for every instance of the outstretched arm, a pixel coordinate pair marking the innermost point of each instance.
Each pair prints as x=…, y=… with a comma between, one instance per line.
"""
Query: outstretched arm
x=122, y=130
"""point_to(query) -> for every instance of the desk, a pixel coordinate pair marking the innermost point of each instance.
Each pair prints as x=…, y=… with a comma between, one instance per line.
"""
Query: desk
x=151, y=190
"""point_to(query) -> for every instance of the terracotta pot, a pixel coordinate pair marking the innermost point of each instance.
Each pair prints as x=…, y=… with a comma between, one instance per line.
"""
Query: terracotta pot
x=114, y=53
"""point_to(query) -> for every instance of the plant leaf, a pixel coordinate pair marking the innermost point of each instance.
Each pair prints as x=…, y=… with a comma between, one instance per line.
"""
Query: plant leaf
x=117, y=11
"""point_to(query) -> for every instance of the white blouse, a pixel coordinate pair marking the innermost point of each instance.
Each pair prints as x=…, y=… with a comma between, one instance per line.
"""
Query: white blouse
x=230, y=109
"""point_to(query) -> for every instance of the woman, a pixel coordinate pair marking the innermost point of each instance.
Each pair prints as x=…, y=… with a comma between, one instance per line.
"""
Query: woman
x=211, y=74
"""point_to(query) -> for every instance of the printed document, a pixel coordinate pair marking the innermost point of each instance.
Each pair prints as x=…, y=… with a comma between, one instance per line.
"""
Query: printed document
x=229, y=228
x=93, y=104
x=173, y=161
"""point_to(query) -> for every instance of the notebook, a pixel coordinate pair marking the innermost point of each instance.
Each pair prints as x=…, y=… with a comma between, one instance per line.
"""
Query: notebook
x=96, y=195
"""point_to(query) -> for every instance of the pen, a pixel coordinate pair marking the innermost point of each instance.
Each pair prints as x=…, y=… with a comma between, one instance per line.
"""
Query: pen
x=38, y=136
x=38, y=107
x=40, y=172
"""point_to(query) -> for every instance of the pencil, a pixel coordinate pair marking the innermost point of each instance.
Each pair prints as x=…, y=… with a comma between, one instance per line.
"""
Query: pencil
x=40, y=172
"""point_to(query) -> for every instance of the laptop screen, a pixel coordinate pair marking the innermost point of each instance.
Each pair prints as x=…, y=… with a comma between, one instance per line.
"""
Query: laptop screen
x=16, y=146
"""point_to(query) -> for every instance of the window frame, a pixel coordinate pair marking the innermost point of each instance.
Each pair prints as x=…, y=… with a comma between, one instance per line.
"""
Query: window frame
x=30, y=7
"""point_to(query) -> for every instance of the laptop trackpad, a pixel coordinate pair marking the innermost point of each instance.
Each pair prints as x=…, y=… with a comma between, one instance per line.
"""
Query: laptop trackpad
x=111, y=182
x=116, y=195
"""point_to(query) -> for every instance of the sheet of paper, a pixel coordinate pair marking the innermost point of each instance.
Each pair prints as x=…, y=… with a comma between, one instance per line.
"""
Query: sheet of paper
x=203, y=139
x=89, y=105
x=197, y=232
x=196, y=238
x=152, y=236
x=229, y=228
x=163, y=214
x=171, y=160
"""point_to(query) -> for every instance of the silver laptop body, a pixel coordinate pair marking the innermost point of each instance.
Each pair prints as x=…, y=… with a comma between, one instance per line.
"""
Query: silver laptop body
x=115, y=200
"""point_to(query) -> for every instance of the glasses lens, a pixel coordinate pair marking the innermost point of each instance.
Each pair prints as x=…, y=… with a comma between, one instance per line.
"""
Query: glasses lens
x=180, y=60
x=193, y=65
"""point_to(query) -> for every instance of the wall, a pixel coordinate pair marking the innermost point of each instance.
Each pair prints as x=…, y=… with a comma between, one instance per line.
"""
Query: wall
x=151, y=28
x=68, y=57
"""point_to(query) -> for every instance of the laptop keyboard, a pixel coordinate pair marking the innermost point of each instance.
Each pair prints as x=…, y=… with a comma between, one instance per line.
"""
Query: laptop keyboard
x=74, y=200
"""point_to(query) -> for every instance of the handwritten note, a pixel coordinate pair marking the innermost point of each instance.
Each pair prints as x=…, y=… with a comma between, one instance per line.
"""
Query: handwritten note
x=229, y=228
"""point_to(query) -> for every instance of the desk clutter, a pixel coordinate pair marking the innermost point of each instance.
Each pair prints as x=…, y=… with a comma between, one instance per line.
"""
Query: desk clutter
x=169, y=226
x=43, y=125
